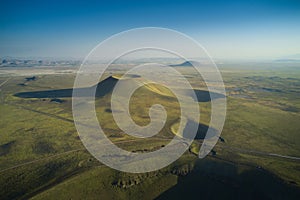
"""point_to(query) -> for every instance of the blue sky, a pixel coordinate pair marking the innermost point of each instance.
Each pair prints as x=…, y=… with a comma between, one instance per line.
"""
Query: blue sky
x=257, y=29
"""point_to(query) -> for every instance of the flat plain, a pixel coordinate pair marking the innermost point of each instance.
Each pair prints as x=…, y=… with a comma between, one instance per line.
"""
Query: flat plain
x=257, y=156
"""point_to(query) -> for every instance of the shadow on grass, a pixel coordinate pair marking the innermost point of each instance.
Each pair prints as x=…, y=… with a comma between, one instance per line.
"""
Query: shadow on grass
x=104, y=87
x=5, y=148
x=221, y=180
x=201, y=132
x=206, y=96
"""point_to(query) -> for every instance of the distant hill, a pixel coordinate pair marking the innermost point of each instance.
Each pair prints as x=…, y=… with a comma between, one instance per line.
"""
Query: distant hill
x=185, y=64
x=287, y=60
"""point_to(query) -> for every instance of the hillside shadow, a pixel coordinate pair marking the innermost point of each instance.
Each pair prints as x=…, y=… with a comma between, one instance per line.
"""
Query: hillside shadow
x=5, y=148
x=221, y=180
x=201, y=132
x=206, y=96
x=102, y=88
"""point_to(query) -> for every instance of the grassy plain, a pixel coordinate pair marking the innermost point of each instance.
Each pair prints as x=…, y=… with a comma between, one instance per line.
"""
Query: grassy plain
x=42, y=157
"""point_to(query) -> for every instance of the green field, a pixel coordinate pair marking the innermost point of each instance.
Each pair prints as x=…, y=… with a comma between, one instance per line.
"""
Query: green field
x=258, y=156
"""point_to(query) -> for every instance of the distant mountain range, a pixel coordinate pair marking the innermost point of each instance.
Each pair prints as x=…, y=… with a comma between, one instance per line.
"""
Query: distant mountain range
x=12, y=62
x=290, y=58
x=287, y=60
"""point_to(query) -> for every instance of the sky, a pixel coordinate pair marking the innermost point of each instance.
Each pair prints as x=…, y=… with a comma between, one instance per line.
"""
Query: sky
x=254, y=29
